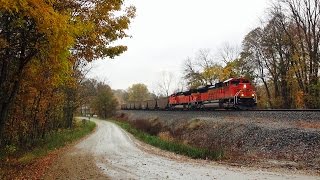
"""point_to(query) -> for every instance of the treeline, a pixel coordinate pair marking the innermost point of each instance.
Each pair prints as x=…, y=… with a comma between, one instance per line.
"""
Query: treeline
x=136, y=92
x=285, y=54
x=281, y=57
x=44, y=49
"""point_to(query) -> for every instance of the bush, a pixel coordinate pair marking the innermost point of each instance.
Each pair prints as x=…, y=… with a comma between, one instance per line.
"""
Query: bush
x=313, y=98
x=152, y=127
x=50, y=142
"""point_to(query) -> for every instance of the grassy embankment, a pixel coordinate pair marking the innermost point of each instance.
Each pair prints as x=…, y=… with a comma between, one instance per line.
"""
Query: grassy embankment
x=14, y=157
x=173, y=146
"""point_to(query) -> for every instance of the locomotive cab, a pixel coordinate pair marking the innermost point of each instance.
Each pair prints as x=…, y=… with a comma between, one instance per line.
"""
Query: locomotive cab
x=240, y=92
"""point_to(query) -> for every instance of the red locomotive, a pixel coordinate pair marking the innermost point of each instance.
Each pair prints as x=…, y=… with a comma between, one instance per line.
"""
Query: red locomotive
x=234, y=93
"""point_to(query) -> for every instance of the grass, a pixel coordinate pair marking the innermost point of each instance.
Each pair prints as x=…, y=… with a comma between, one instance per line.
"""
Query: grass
x=54, y=141
x=179, y=148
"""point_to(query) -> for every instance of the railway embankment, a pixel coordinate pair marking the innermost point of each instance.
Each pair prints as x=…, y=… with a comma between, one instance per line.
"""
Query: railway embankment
x=284, y=139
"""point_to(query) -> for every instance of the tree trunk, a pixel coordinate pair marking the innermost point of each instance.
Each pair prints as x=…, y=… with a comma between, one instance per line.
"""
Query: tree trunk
x=70, y=106
x=268, y=92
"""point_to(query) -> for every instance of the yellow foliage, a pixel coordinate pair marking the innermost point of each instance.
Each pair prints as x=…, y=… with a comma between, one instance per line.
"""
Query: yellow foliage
x=226, y=73
x=212, y=73
x=138, y=92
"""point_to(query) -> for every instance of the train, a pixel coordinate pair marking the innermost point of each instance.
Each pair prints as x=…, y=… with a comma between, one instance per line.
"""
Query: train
x=233, y=93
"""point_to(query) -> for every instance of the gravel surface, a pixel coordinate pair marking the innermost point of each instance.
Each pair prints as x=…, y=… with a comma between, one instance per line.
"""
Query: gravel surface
x=74, y=165
x=285, y=139
x=118, y=155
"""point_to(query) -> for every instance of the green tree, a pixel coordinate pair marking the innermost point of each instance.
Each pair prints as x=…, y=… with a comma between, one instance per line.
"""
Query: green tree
x=104, y=103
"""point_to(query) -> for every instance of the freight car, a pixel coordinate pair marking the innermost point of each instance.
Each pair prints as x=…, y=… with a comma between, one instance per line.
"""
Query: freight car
x=234, y=93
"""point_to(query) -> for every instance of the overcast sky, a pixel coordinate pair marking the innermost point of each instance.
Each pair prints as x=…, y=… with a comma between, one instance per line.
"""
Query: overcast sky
x=166, y=32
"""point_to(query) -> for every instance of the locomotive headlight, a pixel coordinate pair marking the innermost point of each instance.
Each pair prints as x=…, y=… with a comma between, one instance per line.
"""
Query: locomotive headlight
x=242, y=94
x=244, y=86
x=252, y=95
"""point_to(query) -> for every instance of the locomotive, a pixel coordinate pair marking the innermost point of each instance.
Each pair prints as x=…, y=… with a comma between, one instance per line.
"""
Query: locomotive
x=234, y=93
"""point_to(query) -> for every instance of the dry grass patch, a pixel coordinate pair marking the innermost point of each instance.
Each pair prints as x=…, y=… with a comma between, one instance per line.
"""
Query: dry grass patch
x=166, y=136
x=194, y=124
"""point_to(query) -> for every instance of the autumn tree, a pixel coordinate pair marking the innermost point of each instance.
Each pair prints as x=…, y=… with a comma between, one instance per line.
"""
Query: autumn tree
x=202, y=70
x=269, y=49
x=44, y=47
x=106, y=22
x=28, y=34
x=238, y=67
x=138, y=92
x=285, y=53
x=304, y=36
x=121, y=95
x=254, y=53
x=191, y=74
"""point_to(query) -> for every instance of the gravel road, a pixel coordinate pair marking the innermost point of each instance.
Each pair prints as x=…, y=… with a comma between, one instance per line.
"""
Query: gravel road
x=119, y=156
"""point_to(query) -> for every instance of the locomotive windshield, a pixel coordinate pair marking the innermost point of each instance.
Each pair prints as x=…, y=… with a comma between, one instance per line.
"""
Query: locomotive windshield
x=236, y=82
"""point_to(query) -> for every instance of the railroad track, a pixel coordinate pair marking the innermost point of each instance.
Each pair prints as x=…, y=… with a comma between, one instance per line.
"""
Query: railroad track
x=228, y=110
x=300, y=110
x=257, y=114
